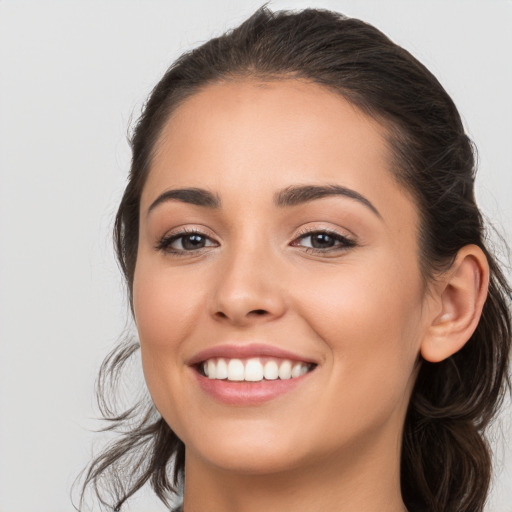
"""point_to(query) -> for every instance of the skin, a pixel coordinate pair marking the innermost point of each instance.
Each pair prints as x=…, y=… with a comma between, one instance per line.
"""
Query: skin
x=360, y=310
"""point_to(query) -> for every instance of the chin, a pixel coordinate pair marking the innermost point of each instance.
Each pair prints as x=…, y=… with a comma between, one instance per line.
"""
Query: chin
x=247, y=451
x=252, y=461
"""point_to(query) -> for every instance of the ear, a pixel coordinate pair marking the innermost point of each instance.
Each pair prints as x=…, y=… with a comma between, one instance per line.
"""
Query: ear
x=460, y=293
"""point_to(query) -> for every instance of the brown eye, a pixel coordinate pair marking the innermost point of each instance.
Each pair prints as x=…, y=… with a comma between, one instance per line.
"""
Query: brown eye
x=323, y=241
x=184, y=242
x=191, y=242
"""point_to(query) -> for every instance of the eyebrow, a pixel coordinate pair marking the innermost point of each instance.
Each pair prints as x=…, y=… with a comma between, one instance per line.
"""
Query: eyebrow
x=290, y=196
x=299, y=194
x=195, y=196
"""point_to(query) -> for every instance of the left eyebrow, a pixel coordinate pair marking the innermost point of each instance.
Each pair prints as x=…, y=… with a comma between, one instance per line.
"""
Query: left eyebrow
x=299, y=194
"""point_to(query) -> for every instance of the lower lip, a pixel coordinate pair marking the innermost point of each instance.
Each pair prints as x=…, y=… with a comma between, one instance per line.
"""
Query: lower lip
x=247, y=393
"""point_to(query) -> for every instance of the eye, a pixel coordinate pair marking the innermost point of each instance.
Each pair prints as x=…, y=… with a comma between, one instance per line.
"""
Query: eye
x=321, y=241
x=186, y=241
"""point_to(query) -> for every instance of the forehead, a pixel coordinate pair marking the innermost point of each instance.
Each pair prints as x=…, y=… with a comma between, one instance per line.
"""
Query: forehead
x=271, y=116
x=262, y=136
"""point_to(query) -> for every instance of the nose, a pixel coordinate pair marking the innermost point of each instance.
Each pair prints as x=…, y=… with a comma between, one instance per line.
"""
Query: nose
x=247, y=289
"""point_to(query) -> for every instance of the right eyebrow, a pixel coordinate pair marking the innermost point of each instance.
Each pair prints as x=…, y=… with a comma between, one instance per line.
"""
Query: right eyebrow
x=196, y=196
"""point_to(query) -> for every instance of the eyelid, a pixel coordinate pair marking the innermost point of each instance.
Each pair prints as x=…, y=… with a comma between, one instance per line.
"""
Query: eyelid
x=164, y=242
x=325, y=229
x=344, y=242
x=338, y=232
x=348, y=241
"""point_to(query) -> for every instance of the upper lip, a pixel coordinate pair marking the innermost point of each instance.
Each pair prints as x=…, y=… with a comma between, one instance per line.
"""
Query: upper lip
x=246, y=351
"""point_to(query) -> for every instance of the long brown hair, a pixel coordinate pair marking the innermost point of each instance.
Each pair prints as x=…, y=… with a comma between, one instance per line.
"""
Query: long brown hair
x=446, y=461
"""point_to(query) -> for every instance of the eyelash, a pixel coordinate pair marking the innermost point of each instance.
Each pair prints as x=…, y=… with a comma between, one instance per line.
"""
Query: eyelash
x=344, y=242
x=164, y=244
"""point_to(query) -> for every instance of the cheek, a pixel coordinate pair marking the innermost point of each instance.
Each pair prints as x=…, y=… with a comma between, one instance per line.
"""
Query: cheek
x=369, y=302
x=371, y=324
x=165, y=306
x=166, y=313
x=370, y=318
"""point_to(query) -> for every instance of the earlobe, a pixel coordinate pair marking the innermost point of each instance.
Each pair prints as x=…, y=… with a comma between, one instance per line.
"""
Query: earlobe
x=461, y=292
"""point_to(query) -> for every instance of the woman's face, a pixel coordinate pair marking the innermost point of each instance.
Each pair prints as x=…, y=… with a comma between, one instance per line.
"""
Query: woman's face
x=296, y=247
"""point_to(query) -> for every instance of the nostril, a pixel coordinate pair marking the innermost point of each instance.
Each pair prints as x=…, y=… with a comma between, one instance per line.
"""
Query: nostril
x=235, y=316
x=259, y=311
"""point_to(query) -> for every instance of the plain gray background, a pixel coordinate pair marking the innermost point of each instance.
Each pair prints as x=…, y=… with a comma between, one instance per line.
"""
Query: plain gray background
x=72, y=73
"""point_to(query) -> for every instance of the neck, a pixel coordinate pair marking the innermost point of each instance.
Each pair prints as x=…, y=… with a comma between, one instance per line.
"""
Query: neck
x=362, y=480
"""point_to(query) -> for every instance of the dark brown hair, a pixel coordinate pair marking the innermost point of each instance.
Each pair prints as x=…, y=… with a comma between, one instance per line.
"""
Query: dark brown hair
x=446, y=462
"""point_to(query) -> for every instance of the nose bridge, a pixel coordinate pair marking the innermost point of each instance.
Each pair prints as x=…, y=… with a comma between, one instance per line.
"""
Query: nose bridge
x=247, y=287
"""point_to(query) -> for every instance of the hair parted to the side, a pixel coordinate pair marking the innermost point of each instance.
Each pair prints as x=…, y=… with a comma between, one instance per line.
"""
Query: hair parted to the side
x=446, y=462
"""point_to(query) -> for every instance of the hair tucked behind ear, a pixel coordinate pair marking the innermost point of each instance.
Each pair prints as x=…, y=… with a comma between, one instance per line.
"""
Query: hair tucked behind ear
x=446, y=462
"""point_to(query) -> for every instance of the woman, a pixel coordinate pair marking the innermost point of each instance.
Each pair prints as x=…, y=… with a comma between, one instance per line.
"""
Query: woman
x=321, y=324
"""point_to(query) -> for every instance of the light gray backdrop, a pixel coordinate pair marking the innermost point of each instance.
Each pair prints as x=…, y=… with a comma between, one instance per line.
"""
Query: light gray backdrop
x=71, y=75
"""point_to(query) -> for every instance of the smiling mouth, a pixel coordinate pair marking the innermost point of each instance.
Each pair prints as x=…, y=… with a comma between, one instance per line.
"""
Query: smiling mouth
x=255, y=369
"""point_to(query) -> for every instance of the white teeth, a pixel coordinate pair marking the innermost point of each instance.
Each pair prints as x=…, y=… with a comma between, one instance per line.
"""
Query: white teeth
x=271, y=370
x=211, y=369
x=235, y=369
x=296, y=369
x=222, y=369
x=285, y=370
x=253, y=370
